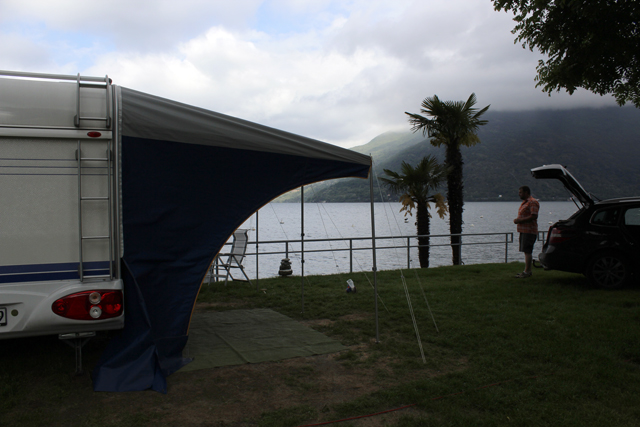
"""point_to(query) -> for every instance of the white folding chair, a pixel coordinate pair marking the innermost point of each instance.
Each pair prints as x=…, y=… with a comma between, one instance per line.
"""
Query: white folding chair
x=232, y=260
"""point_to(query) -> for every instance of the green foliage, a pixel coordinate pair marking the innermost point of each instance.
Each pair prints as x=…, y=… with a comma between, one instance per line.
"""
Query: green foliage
x=415, y=185
x=589, y=44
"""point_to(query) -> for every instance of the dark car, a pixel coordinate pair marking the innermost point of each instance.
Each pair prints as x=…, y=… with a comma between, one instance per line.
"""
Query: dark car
x=601, y=240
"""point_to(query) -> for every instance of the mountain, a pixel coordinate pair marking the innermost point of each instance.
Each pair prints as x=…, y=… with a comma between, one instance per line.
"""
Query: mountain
x=600, y=147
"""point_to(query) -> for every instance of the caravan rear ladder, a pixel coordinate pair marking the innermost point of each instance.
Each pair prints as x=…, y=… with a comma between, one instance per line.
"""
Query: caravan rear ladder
x=106, y=85
x=81, y=199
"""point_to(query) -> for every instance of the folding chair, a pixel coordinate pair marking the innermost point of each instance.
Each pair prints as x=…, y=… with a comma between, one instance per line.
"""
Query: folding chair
x=233, y=259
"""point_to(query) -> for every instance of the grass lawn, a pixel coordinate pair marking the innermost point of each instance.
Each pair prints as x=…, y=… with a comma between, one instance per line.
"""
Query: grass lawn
x=544, y=351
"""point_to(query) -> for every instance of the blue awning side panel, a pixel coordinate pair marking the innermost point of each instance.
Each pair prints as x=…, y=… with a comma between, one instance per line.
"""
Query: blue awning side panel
x=180, y=204
x=130, y=362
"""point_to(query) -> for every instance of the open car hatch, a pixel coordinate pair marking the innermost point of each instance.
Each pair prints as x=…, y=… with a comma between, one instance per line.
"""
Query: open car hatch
x=560, y=173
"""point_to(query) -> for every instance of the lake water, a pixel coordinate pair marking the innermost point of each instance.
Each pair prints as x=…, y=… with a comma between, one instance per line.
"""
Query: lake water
x=281, y=221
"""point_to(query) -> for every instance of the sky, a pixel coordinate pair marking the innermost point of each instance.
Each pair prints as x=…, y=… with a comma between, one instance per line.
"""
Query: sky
x=341, y=71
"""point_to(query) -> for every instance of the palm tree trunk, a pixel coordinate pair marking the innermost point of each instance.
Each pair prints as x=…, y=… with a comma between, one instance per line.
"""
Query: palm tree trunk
x=422, y=217
x=455, y=198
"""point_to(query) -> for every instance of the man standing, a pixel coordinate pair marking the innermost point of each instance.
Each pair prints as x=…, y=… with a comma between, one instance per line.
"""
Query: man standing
x=527, y=222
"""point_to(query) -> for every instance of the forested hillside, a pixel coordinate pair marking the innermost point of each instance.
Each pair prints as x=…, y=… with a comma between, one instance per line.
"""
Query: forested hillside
x=601, y=148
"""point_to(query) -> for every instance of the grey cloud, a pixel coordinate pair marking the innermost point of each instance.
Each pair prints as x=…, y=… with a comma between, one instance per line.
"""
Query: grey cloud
x=21, y=54
x=141, y=25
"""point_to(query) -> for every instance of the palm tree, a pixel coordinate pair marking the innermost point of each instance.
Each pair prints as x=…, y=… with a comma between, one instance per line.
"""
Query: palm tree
x=415, y=184
x=452, y=124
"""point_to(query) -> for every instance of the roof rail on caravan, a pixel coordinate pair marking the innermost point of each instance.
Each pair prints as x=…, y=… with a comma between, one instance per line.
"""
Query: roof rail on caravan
x=81, y=82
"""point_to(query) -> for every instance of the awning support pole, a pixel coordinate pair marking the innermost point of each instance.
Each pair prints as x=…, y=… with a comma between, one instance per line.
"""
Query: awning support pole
x=257, y=253
x=302, y=243
x=373, y=246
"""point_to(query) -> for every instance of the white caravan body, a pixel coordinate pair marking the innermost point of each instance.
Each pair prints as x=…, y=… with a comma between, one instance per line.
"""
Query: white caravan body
x=60, y=242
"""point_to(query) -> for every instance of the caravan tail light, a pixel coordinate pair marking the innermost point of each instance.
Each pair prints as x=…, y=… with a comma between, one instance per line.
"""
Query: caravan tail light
x=89, y=305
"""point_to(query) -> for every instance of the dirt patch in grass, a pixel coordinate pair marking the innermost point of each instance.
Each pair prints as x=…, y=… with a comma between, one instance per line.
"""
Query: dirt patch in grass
x=239, y=395
x=328, y=322
x=244, y=392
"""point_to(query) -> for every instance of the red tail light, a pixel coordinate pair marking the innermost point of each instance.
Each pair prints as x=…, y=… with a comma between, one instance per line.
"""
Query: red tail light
x=89, y=305
x=560, y=234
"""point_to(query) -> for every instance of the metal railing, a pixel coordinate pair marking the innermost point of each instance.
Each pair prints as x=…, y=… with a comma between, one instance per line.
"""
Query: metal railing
x=408, y=243
x=542, y=236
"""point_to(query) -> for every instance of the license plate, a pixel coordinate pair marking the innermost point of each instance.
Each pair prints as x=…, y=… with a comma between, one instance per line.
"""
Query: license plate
x=3, y=316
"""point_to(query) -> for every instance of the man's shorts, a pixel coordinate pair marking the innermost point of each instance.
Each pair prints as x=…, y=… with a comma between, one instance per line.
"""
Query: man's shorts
x=527, y=240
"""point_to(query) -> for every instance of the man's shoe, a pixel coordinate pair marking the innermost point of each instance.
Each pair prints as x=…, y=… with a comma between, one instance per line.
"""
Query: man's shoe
x=523, y=275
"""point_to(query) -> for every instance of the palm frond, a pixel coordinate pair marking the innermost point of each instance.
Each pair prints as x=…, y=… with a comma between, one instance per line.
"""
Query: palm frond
x=415, y=184
x=449, y=122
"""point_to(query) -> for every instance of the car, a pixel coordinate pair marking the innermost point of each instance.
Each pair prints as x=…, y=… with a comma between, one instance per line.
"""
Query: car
x=601, y=240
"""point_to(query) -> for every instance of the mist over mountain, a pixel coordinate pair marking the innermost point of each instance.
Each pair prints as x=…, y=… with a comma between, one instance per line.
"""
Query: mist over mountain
x=600, y=147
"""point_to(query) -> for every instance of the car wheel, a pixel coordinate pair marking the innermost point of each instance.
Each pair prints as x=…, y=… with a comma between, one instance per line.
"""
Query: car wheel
x=609, y=270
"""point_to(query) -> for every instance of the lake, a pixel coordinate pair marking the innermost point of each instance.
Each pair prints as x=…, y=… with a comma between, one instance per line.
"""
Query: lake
x=281, y=221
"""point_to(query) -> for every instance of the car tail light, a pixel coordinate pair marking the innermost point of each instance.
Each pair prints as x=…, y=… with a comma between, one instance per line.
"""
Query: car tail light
x=559, y=234
x=89, y=305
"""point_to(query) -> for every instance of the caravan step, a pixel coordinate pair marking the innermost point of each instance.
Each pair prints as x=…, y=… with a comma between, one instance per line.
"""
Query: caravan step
x=96, y=276
x=94, y=159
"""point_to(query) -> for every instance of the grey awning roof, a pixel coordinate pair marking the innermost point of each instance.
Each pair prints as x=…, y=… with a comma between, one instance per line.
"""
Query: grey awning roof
x=152, y=117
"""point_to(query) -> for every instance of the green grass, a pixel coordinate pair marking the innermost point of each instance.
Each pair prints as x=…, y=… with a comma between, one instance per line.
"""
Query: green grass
x=563, y=352
x=552, y=350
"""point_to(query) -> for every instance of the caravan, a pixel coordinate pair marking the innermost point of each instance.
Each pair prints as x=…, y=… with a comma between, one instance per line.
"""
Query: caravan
x=59, y=193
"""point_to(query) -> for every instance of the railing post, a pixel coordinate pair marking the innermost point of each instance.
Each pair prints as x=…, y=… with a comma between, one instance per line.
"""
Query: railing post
x=286, y=249
x=506, y=248
x=350, y=255
x=408, y=252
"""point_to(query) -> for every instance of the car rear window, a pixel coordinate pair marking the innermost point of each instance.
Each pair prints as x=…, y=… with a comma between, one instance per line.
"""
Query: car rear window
x=632, y=216
x=607, y=217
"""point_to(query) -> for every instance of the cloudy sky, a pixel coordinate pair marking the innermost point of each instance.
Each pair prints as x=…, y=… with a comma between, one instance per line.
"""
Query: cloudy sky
x=342, y=71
